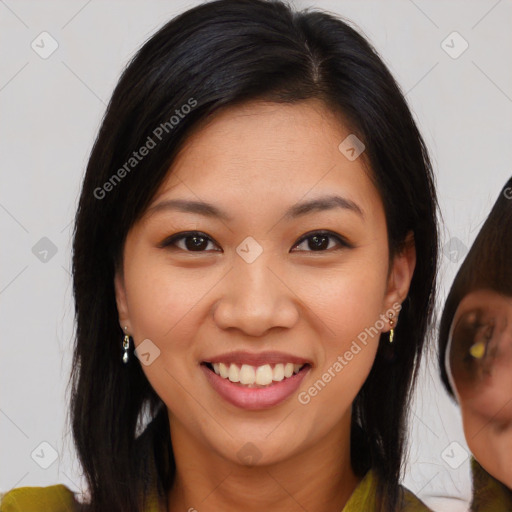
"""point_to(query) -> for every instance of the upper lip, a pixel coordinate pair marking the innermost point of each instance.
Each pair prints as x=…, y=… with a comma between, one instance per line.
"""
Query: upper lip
x=259, y=359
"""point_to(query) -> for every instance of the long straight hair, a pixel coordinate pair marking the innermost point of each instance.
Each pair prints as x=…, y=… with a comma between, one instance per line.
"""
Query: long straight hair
x=220, y=54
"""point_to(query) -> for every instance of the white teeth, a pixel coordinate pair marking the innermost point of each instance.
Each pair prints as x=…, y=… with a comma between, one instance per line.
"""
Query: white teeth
x=234, y=373
x=223, y=369
x=251, y=375
x=288, y=370
x=264, y=375
x=278, y=373
x=247, y=374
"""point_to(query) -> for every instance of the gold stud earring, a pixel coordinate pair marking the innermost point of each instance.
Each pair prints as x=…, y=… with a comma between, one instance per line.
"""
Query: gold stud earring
x=391, y=331
x=126, y=346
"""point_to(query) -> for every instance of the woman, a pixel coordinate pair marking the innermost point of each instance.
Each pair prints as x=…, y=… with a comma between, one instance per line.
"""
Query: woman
x=258, y=220
x=475, y=355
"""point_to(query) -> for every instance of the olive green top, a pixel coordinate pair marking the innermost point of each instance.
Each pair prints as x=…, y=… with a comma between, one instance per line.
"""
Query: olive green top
x=59, y=498
x=488, y=493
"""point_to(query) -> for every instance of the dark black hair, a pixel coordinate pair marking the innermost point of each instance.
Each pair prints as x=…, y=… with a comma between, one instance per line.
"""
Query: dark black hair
x=221, y=54
x=486, y=266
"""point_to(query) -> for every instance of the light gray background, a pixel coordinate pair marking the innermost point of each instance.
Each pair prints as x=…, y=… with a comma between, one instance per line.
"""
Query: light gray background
x=50, y=113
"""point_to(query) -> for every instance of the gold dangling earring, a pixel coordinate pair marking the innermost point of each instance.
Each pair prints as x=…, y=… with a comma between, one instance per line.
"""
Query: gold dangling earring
x=126, y=346
x=391, y=331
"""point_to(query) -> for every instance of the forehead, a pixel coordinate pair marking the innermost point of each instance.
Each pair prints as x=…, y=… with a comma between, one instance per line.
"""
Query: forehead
x=261, y=150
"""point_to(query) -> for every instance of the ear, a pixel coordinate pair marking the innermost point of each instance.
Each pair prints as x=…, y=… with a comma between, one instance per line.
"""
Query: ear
x=400, y=275
x=122, y=305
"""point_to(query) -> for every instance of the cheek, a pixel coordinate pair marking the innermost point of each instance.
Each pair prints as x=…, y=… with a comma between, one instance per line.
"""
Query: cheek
x=164, y=305
x=491, y=448
x=163, y=301
x=478, y=438
x=348, y=300
x=489, y=405
x=349, y=303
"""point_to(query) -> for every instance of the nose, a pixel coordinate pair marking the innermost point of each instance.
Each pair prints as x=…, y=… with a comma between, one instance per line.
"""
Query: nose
x=255, y=298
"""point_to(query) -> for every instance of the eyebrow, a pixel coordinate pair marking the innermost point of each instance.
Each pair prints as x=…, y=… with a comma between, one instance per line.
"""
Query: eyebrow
x=298, y=210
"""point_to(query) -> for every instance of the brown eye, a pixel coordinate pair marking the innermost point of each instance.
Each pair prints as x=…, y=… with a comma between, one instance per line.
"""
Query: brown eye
x=318, y=241
x=190, y=241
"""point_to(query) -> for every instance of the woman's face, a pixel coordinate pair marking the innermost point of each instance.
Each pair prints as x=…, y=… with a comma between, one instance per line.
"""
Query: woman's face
x=250, y=284
x=479, y=356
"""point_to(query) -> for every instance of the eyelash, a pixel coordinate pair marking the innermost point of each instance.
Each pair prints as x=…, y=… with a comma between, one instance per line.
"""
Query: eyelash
x=172, y=240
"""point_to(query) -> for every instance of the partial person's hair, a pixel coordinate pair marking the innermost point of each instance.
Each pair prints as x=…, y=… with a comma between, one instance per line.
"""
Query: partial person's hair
x=222, y=54
x=488, y=265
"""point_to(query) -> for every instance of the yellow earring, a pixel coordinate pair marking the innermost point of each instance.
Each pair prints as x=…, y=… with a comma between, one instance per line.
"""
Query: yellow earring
x=391, y=331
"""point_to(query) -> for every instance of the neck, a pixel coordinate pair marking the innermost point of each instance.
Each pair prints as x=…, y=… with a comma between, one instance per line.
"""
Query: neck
x=318, y=479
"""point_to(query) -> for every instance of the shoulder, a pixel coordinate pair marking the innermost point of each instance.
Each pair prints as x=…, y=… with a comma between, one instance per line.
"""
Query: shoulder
x=411, y=503
x=365, y=497
x=57, y=498
x=488, y=493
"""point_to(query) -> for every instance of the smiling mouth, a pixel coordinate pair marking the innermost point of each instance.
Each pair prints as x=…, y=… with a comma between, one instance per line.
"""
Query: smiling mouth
x=249, y=376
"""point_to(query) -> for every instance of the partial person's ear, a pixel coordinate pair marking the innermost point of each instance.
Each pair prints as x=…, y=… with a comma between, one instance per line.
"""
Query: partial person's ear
x=122, y=305
x=400, y=276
